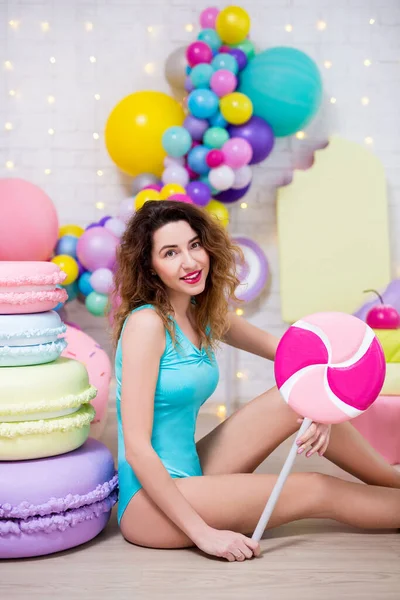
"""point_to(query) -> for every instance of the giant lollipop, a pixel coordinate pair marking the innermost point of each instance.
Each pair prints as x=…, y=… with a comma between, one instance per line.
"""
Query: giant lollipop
x=329, y=367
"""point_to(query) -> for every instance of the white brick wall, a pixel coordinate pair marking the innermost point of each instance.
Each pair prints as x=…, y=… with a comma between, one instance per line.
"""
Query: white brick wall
x=122, y=46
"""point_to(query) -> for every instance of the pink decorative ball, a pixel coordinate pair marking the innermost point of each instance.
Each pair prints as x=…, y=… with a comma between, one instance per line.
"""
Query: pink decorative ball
x=198, y=52
x=192, y=174
x=330, y=367
x=153, y=186
x=181, y=198
x=214, y=158
x=208, y=17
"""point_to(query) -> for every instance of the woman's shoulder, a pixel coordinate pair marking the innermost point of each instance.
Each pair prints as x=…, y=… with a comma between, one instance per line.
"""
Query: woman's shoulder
x=144, y=316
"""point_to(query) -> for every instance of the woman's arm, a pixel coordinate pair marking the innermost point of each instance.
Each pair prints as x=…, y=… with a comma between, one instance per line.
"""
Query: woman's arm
x=245, y=336
x=143, y=343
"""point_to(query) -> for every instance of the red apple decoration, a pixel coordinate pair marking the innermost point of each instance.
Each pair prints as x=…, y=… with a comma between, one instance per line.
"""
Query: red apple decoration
x=382, y=316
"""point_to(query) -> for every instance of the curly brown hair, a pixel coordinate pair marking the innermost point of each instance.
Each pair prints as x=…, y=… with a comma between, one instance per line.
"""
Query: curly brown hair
x=134, y=286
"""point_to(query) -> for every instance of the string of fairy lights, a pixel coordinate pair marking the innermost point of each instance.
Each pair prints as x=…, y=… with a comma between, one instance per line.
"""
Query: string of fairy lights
x=150, y=68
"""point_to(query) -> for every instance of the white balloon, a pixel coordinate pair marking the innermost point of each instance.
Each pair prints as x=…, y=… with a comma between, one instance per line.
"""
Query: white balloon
x=175, y=174
x=222, y=178
x=126, y=209
x=116, y=226
x=243, y=176
x=171, y=160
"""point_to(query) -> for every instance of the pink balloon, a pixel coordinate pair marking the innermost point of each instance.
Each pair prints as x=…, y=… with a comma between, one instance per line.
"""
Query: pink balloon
x=97, y=248
x=192, y=174
x=181, y=198
x=83, y=348
x=208, y=17
x=237, y=152
x=223, y=82
x=215, y=158
x=198, y=52
x=153, y=186
x=28, y=222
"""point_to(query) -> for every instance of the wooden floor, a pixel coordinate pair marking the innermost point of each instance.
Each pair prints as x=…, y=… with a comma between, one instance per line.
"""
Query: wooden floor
x=310, y=560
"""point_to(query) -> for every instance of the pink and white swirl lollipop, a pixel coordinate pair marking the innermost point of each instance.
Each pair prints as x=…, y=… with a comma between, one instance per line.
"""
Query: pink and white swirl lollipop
x=329, y=367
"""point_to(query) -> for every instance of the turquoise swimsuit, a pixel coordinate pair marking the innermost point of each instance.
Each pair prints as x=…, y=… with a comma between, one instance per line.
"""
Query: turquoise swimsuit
x=186, y=379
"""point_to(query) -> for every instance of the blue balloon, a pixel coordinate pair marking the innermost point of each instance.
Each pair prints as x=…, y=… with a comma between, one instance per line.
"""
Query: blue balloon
x=225, y=61
x=197, y=159
x=218, y=120
x=201, y=75
x=67, y=245
x=84, y=283
x=285, y=87
x=203, y=103
x=211, y=38
x=176, y=141
x=188, y=69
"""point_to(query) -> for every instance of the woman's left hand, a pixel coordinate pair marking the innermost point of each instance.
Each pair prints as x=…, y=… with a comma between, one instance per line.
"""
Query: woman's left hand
x=315, y=439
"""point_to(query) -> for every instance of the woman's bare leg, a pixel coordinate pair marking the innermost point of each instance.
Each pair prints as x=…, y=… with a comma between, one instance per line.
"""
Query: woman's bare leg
x=242, y=442
x=235, y=502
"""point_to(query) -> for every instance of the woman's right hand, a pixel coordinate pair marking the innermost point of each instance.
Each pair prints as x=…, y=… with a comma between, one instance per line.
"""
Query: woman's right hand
x=228, y=544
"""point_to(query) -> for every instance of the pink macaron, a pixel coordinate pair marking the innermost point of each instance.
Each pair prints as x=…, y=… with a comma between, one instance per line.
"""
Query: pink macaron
x=30, y=287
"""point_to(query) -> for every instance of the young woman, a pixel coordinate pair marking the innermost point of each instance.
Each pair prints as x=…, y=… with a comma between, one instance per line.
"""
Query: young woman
x=176, y=271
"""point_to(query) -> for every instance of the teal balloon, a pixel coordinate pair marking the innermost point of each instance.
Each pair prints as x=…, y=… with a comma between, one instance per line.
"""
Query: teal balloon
x=96, y=304
x=211, y=38
x=225, y=61
x=72, y=290
x=201, y=74
x=204, y=179
x=215, y=137
x=176, y=141
x=285, y=87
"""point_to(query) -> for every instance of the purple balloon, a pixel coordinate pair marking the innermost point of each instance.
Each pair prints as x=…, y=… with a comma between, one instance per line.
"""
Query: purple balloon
x=199, y=192
x=196, y=127
x=104, y=220
x=232, y=195
x=240, y=56
x=189, y=87
x=97, y=248
x=258, y=133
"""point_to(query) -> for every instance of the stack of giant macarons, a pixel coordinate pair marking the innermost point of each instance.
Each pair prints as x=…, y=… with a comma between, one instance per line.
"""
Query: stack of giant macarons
x=48, y=500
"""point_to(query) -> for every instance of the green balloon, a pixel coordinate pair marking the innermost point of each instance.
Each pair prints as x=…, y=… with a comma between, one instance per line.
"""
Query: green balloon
x=96, y=304
x=215, y=137
x=247, y=47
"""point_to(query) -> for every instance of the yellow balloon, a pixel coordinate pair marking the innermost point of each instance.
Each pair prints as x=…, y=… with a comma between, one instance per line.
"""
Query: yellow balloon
x=134, y=131
x=170, y=189
x=146, y=196
x=232, y=24
x=75, y=230
x=218, y=211
x=68, y=265
x=236, y=108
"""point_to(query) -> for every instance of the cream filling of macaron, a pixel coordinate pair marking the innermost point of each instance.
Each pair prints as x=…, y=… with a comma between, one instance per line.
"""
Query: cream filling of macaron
x=38, y=416
x=26, y=288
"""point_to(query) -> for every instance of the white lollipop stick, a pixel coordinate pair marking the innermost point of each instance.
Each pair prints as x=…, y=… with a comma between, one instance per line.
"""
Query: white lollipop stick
x=272, y=500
